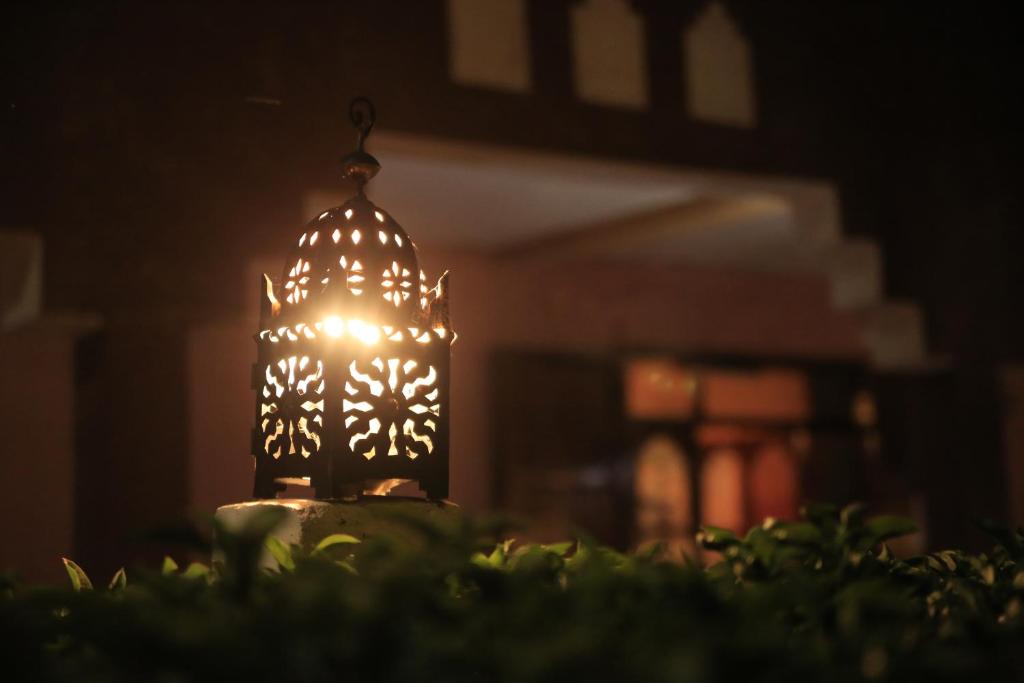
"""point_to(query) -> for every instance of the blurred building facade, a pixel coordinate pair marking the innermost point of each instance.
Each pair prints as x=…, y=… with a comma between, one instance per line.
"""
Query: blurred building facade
x=710, y=259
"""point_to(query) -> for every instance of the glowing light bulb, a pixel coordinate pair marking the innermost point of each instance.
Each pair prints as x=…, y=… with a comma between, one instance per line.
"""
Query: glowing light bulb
x=368, y=334
x=334, y=326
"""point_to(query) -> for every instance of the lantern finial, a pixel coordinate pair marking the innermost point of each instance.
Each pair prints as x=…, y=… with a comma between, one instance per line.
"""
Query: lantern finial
x=360, y=166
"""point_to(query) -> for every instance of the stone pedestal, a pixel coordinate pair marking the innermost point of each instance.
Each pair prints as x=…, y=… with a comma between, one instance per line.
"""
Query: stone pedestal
x=307, y=522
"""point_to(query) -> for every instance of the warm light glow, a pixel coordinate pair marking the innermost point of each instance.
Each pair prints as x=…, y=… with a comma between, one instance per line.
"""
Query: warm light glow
x=367, y=334
x=355, y=277
x=295, y=433
x=350, y=336
x=376, y=387
x=410, y=388
x=334, y=326
x=275, y=305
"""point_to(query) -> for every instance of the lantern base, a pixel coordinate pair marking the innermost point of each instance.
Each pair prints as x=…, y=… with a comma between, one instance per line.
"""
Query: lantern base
x=307, y=522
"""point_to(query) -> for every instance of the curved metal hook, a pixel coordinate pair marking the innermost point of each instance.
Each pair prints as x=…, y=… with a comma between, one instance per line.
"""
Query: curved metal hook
x=363, y=115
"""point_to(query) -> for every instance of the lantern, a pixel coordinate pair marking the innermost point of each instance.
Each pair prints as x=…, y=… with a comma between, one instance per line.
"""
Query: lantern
x=353, y=351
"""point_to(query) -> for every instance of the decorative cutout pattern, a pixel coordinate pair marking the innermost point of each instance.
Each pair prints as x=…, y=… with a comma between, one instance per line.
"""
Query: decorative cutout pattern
x=298, y=279
x=352, y=360
x=292, y=406
x=396, y=283
x=334, y=326
x=391, y=407
x=354, y=278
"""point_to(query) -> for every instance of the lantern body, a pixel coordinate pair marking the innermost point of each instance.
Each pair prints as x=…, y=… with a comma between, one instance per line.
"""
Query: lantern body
x=352, y=367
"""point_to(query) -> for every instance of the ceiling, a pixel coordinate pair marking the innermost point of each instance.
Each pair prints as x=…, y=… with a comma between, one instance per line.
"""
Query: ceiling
x=519, y=201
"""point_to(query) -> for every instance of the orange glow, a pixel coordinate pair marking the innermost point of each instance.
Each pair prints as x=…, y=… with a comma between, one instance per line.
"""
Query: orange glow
x=275, y=305
x=367, y=334
x=767, y=394
x=334, y=326
x=658, y=389
x=721, y=489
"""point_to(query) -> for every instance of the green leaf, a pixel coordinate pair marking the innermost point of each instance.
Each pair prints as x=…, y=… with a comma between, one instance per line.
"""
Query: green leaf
x=715, y=538
x=119, y=581
x=560, y=549
x=196, y=570
x=820, y=513
x=79, y=579
x=651, y=551
x=169, y=566
x=333, y=540
x=347, y=566
x=885, y=555
x=884, y=527
x=852, y=515
x=497, y=556
x=948, y=558
x=1005, y=537
x=801, y=533
x=281, y=552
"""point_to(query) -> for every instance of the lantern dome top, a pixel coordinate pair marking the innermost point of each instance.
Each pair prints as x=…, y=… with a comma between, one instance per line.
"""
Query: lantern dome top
x=354, y=260
x=354, y=263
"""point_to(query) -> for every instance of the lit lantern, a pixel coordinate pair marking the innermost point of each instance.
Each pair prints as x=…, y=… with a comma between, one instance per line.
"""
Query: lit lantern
x=353, y=353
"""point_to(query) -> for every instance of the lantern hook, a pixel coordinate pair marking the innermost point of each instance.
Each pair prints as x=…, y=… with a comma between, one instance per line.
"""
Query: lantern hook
x=363, y=115
x=360, y=166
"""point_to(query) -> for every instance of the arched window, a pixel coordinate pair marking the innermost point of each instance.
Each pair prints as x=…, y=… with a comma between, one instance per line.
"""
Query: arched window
x=488, y=44
x=609, y=53
x=719, y=70
x=662, y=487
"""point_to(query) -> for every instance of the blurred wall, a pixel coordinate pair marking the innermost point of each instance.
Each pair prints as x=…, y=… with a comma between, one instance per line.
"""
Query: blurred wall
x=37, y=400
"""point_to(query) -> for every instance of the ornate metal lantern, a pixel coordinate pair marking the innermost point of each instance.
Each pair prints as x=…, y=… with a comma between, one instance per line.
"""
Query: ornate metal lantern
x=353, y=350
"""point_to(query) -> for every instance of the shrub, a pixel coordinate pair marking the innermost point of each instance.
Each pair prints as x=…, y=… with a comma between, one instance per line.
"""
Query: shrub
x=819, y=599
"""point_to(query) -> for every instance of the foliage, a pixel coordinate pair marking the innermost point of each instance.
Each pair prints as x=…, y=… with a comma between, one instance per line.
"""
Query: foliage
x=819, y=599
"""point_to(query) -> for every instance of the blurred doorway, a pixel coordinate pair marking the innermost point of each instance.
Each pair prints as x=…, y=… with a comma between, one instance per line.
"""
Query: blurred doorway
x=637, y=448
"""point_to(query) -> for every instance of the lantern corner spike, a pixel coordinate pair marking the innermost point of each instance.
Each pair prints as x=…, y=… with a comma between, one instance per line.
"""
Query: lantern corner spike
x=353, y=354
